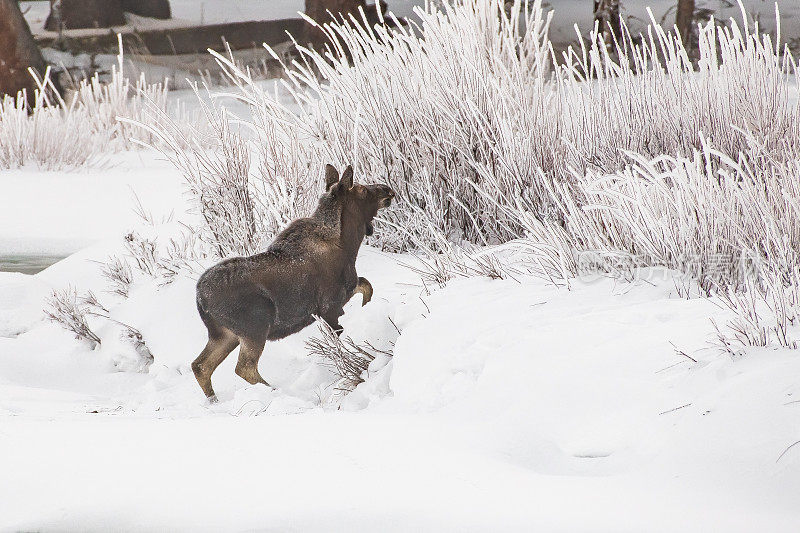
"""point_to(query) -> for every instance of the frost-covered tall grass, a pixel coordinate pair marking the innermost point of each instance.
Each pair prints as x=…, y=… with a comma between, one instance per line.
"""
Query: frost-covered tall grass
x=637, y=156
x=68, y=131
x=467, y=114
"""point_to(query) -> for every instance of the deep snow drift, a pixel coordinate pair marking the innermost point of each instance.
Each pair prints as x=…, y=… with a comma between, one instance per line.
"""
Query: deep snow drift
x=508, y=404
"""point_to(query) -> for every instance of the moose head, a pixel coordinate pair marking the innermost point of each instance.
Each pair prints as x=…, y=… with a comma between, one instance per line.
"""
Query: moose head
x=359, y=203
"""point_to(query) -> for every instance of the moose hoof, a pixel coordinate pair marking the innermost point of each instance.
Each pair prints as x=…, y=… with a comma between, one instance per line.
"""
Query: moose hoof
x=365, y=288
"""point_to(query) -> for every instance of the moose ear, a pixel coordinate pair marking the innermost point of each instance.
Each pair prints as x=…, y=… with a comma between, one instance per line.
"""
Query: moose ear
x=331, y=176
x=347, y=178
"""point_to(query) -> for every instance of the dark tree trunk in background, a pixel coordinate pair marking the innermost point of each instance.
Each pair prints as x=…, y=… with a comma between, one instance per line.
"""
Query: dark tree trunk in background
x=318, y=10
x=88, y=14
x=606, y=15
x=18, y=51
x=157, y=9
x=684, y=20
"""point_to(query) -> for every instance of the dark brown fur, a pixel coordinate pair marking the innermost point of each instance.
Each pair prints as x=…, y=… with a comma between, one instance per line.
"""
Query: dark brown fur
x=18, y=52
x=309, y=269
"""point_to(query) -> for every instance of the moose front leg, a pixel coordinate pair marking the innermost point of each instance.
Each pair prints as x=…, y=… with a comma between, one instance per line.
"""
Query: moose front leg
x=365, y=288
x=332, y=319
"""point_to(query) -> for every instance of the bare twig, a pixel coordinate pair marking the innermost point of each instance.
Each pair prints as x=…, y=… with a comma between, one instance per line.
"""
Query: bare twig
x=682, y=353
x=65, y=309
x=346, y=358
x=786, y=450
x=674, y=409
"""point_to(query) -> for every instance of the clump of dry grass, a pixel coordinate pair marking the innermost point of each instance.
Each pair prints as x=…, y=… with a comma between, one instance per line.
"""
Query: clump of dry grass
x=68, y=310
x=346, y=358
x=155, y=259
x=71, y=311
x=88, y=117
x=119, y=275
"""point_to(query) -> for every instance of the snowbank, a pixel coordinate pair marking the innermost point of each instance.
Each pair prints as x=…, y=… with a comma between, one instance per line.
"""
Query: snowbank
x=62, y=212
x=506, y=405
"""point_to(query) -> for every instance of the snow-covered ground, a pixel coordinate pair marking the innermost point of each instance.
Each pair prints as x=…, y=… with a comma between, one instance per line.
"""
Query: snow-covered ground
x=61, y=212
x=508, y=405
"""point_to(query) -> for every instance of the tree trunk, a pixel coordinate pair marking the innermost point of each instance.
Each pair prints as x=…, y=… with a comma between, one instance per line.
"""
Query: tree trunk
x=157, y=9
x=18, y=52
x=318, y=10
x=606, y=15
x=87, y=14
x=684, y=21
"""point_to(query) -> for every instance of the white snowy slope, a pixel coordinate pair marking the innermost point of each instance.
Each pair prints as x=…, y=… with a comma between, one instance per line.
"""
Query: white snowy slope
x=60, y=212
x=506, y=406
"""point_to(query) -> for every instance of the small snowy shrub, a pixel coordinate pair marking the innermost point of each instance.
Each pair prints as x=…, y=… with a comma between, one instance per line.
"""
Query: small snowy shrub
x=348, y=359
x=125, y=344
x=155, y=259
x=118, y=273
x=764, y=313
x=143, y=252
x=88, y=119
x=70, y=312
x=184, y=254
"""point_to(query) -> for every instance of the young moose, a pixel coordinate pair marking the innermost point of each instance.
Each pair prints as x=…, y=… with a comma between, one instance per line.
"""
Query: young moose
x=309, y=269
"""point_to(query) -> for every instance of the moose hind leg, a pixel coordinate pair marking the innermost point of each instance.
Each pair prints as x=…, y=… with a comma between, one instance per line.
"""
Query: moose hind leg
x=249, y=353
x=216, y=350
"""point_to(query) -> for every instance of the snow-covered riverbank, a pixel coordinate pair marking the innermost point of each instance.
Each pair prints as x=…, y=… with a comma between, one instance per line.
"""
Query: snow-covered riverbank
x=534, y=400
x=507, y=405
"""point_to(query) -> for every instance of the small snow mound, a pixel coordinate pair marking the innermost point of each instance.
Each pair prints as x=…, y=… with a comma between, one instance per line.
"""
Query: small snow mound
x=289, y=405
x=372, y=322
x=125, y=348
x=260, y=399
x=21, y=302
x=374, y=388
x=166, y=389
x=252, y=400
x=66, y=59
